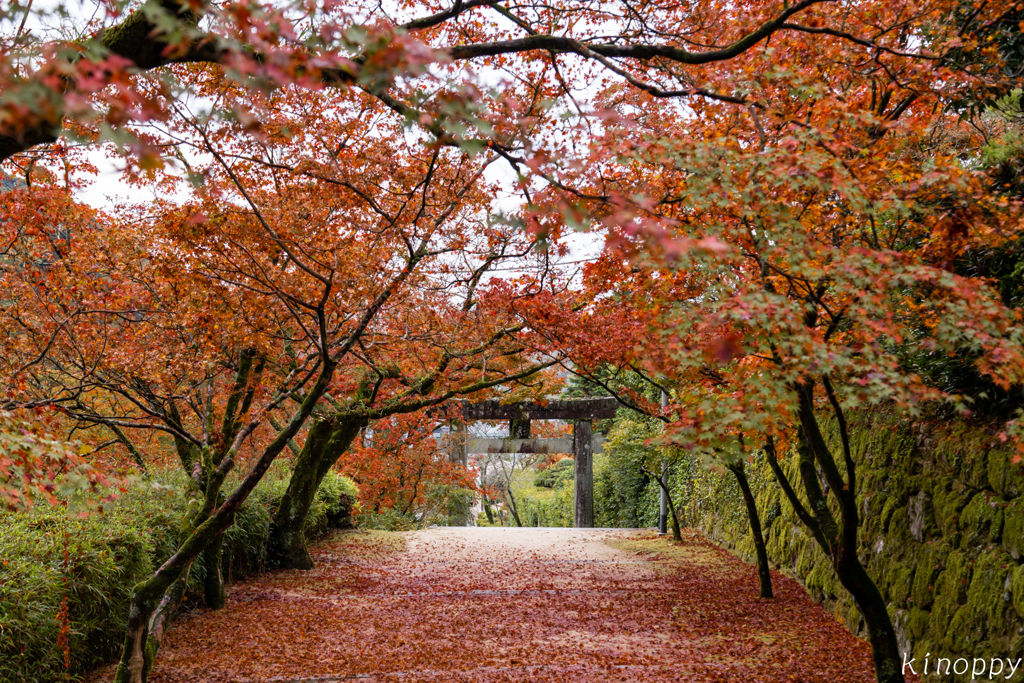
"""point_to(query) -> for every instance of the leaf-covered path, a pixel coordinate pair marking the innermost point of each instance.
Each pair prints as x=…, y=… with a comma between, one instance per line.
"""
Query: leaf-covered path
x=505, y=604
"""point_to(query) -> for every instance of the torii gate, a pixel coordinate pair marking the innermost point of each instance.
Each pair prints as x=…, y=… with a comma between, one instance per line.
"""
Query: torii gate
x=582, y=445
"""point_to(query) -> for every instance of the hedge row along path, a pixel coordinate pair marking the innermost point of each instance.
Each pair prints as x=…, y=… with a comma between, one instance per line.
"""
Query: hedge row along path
x=509, y=604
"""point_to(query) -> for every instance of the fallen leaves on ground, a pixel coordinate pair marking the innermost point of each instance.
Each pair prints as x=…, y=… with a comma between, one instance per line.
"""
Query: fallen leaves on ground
x=507, y=604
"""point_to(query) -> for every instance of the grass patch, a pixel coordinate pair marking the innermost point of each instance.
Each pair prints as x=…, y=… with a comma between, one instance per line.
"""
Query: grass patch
x=692, y=552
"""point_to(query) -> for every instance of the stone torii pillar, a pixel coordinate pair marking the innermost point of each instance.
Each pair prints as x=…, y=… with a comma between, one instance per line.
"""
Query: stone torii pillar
x=582, y=451
x=582, y=446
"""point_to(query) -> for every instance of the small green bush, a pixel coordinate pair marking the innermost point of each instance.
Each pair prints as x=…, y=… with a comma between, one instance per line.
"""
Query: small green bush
x=556, y=474
x=107, y=554
x=388, y=519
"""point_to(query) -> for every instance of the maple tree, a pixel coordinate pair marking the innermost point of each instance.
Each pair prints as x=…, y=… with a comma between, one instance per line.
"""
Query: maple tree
x=774, y=261
x=792, y=227
x=326, y=263
x=402, y=466
x=270, y=289
x=150, y=388
x=93, y=79
x=462, y=344
x=825, y=263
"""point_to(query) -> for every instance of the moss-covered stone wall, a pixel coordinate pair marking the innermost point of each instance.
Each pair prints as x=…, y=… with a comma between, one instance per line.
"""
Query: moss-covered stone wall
x=942, y=534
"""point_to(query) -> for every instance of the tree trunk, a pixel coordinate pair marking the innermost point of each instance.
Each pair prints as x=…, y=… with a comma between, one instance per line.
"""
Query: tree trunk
x=763, y=572
x=512, y=506
x=136, y=656
x=156, y=600
x=213, y=582
x=885, y=651
x=154, y=603
x=677, y=534
x=841, y=540
x=326, y=441
x=147, y=624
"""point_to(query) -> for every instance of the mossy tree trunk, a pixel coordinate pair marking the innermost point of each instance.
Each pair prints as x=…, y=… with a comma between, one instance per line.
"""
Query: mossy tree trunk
x=155, y=601
x=763, y=571
x=327, y=440
x=147, y=622
x=213, y=582
x=838, y=537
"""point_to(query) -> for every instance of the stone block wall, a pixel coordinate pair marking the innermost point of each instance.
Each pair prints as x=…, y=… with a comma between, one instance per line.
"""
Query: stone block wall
x=942, y=534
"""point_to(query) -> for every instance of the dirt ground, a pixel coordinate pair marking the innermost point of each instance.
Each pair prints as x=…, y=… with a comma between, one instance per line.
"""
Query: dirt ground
x=509, y=604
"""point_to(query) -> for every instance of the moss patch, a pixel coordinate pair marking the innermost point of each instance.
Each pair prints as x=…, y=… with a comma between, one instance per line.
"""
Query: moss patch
x=966, y=632
x=899, y=583
x=1013, y=529
x=926, y=574
x=917, y=622
x=1017, y=590
x=956, y=579
x=988, y=597
x=981, y=519
x=948, y=507
x=822, y=582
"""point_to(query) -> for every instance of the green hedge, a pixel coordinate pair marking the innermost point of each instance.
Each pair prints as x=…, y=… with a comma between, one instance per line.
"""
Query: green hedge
x=109, y=553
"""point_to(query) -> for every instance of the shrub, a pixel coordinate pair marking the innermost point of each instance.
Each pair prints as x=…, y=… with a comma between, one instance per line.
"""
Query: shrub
x=555, y=510
x=387, y=519
x=556, y=474
x=106, y=555
x=102, y=565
